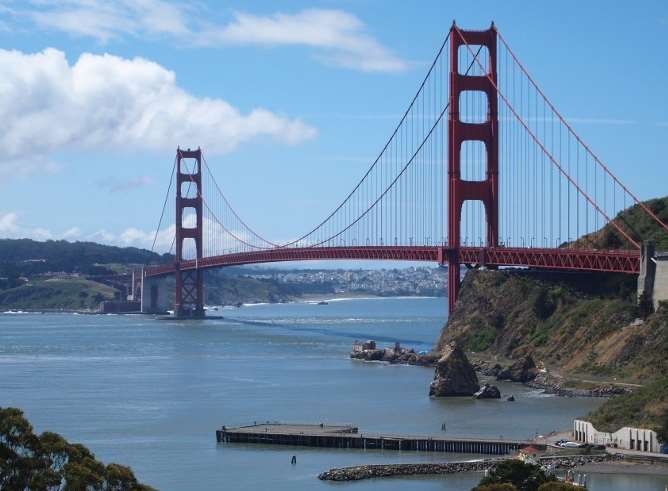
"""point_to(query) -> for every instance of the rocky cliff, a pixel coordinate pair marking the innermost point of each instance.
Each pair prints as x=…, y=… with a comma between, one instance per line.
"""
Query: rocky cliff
x=454, y=375
x=575, y=324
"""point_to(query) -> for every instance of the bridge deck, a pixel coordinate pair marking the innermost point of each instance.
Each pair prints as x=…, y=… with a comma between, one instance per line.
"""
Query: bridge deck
x=623, y=261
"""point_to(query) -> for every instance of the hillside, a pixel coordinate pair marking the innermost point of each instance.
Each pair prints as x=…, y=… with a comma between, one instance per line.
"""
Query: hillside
x=65, y=275
x=576, y=324
x=26, y=257
x=646, y=408
x=57, y=294
x=635, y=222
x=586, y=329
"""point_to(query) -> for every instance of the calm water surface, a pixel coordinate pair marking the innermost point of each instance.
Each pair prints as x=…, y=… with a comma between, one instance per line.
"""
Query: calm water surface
x=150, y=393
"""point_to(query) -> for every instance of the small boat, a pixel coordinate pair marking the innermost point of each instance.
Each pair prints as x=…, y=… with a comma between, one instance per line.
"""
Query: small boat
x=322, y=302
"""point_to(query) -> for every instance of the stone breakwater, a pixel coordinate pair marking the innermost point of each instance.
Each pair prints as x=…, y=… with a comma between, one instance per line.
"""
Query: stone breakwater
x=373, y=471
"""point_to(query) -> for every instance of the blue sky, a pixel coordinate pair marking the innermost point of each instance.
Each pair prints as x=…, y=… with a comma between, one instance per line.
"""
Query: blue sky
x=298, y=99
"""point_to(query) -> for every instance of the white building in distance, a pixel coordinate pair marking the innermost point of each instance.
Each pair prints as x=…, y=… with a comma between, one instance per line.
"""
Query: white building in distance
x=628, y=438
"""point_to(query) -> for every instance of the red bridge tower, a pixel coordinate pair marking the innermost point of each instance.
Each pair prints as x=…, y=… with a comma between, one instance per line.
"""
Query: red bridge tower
x=460, y=190
x=189, y=301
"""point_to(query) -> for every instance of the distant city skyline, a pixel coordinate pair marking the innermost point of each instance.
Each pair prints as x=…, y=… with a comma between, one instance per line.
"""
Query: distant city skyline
x=96, y=96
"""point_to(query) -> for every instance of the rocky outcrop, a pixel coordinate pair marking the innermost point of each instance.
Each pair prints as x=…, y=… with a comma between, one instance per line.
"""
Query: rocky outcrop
x=454, y=375
x=368, y=351
x=523, y=370
x=488, y=392
x=576, y=324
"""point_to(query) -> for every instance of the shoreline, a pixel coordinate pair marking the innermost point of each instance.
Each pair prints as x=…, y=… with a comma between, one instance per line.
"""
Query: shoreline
x=304, y=299
x=594, y=464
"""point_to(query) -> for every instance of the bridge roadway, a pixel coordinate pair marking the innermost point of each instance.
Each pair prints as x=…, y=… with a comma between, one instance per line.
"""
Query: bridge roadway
x=622, y=261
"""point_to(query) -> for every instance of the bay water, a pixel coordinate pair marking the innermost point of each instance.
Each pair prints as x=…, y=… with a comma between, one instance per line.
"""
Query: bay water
x=150, y=393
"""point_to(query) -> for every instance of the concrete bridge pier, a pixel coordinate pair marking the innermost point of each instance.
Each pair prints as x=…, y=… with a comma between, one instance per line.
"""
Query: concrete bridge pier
x=156, y=294
x=653, y=277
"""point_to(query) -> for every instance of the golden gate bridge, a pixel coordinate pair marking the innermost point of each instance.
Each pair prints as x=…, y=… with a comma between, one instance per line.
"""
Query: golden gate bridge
x=481, y=170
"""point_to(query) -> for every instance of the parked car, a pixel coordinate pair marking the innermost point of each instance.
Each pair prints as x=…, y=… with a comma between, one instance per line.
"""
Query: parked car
x=571, y=445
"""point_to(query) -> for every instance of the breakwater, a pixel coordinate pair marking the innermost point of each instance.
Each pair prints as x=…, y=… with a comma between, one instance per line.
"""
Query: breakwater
x=372, y=471
x=348, y=436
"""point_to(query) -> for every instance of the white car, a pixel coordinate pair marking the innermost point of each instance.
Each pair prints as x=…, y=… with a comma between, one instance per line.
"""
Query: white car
x=571, y=445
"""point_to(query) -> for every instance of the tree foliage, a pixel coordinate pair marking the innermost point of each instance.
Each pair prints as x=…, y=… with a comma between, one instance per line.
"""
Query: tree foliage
x=559, y=486
x=48, y=462
x=519, y=475
x=506, y=486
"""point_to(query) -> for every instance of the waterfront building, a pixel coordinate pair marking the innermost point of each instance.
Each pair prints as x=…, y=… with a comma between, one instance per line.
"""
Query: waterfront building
x=628, y=438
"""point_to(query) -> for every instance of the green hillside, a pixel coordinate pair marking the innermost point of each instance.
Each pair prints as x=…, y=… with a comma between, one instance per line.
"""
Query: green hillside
x=645, y=408
x=57, y=293
x=27, y=257
x=636, y=223
x=577, y=324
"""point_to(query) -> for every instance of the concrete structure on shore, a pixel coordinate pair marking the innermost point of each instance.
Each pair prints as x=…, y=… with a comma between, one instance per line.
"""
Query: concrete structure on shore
x=156, y=294
x=638, y=439
x=653, y=278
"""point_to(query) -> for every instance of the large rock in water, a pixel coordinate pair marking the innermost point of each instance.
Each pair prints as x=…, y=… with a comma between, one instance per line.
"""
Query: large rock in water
x=523, y=370
x=454, y=375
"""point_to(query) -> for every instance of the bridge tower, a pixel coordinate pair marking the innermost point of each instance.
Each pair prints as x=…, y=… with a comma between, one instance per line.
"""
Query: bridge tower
x=487, y=132
x=189, y=300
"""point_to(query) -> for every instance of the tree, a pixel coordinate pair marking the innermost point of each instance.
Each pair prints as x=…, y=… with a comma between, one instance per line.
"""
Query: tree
x=496, y=487
x=48, y=461
x=559, y=486
x=524, y=477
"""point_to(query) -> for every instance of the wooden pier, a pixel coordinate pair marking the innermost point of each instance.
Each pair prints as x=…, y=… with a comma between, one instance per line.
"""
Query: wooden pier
x=348, y=436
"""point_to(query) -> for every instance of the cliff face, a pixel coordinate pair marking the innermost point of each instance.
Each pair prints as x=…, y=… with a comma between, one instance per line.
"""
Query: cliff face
x=576, y=324
x=454, y=375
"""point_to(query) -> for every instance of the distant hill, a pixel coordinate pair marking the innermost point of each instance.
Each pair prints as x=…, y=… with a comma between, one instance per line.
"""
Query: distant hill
x=28, y=257
x=57, y=294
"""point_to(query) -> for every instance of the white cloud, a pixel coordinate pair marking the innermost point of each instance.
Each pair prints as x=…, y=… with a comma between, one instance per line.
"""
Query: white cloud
x=72, y=233
x=104, y=20
x=10, y=228
x=104, y=101
x=338, y=37
x=7, y=222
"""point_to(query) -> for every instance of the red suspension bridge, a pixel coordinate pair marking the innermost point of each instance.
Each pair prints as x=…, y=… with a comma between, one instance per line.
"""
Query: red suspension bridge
x=481, y=170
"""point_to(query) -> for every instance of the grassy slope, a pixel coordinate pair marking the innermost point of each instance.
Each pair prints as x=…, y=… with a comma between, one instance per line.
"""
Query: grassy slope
x=67, y=294
x=636, y=223
x=575, y=324
x=646, y=408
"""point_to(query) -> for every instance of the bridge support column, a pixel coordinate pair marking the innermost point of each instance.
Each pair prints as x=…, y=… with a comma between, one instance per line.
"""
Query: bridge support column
x=154, y=294
x=189, y=299
x=460, y=190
